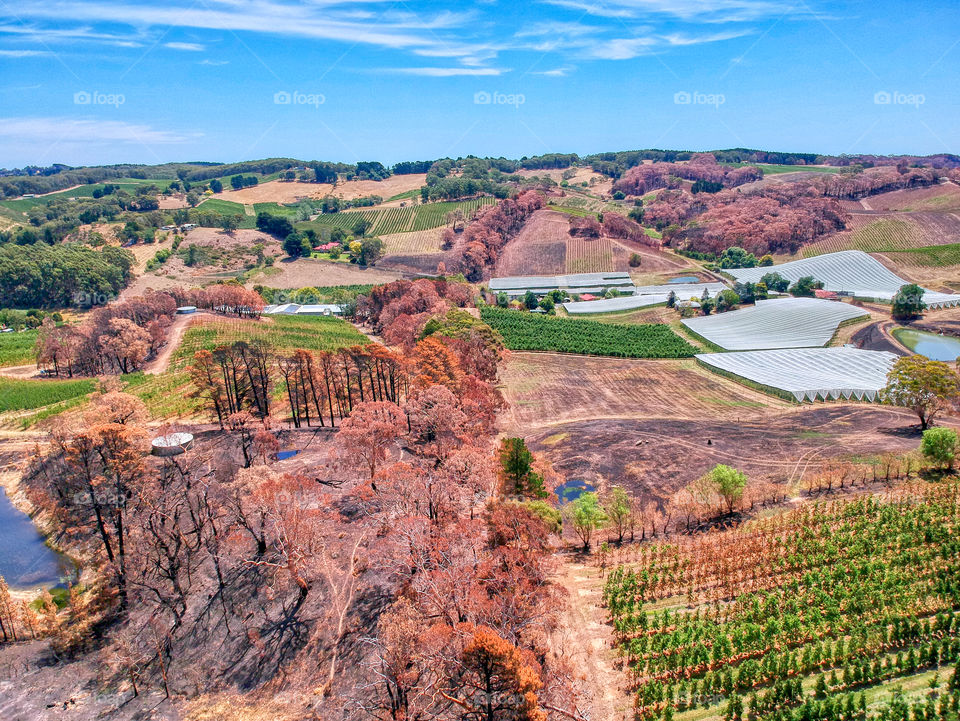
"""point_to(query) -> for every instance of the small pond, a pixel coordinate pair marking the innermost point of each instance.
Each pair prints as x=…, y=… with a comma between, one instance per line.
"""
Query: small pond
x=933, y=346
x=284, y=455
x=572, y=490
x=685, y=279
x=26, y=561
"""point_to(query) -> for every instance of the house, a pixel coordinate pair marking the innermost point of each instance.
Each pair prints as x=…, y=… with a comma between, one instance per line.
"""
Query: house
x=826, y=294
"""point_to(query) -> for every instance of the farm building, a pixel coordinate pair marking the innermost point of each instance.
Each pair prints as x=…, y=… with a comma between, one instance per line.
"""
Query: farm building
x=808, y=374
x=778, y=323
x=849, y=272
x=297, y=309
x=595, y=283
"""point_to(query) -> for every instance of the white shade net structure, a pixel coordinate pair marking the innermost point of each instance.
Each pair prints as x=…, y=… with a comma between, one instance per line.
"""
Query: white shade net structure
x=777, y=323
x=809, y=374
x=644, y=297
x=849, y=271
x=574, y=283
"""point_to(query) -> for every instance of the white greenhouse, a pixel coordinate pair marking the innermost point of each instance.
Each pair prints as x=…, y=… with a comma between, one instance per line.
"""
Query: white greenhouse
x=777, y=323
x=644, y=297
x=574, y=283
x=849, y=271
x=808, y=374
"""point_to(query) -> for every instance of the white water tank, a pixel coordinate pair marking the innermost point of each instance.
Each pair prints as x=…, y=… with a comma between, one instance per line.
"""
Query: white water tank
x=172, y=444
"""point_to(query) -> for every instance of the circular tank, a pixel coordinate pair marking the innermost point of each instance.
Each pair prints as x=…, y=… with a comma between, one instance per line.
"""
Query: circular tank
x=172, y=444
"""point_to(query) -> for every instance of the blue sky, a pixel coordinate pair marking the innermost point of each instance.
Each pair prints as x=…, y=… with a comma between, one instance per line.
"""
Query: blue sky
x=100, y=81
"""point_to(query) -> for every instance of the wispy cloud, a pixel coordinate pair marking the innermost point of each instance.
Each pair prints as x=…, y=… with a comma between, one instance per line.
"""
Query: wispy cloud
x=445, y=72
x=703, y=11
x=553, y=73
x=192, y=47
x=214, y=63
x=86, y=131
x=53, y=36
x=23, y=53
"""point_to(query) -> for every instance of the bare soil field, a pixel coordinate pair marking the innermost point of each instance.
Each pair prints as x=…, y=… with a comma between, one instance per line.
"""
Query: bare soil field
x=172, y=202
x=602, y=184
x=306, y=272
x=540, y=248
x=291, y=191
x=657, y=425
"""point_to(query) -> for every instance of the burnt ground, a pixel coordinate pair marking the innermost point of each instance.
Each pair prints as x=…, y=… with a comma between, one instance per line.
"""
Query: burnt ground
x=655, y=457
x=873, y=337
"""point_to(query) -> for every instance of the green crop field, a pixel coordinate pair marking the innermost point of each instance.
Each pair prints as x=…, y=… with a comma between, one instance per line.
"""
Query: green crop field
x=532, y=331
x=16, y=395
x=16, y=349
x=275, y=209
x=813, y=614
x=22, y=205
x=936, y=256
x=222, y=207
x=282, y=332
x=777, y=169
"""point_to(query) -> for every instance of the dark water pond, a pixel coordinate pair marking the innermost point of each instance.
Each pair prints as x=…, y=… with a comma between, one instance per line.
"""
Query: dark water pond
x=25, y=561
x=933, y=346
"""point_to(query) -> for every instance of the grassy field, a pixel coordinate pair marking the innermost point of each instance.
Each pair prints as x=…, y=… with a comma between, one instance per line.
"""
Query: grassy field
x=22, y=205
x=275, y=209
x=16, y=349
x=387, y=221
x=777, y=169
x=16, y=395
x=167, y=395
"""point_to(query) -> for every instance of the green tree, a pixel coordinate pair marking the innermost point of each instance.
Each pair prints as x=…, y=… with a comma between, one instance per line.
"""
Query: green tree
x=735, y=257
x=516, y=469
x=547, y=304
x=766, y=261
x=775, y=282
x=924, y=386
x=940, y=446
x=620, y=511
x=371, y=250
x=530, y=300
x=587, y=515
x=293, y=245
x=729, y=484
x=503, y=300
x=908, y=303
x=216, y=186
x=804, y=287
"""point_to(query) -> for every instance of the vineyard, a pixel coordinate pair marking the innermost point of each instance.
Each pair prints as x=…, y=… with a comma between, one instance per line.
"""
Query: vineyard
x=890, y=233
x=801, y=616
x=387, y=221
x=531, y=331
x=420, y=242
x=589, y=255
x=17, y=348
x=935, y=256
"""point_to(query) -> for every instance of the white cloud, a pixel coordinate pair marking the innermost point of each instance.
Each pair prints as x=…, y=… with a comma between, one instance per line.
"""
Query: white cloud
x=214, y=63
x=86, y=131
x=23, y=53
x=445, y=72
x=554, y=73
x=704, y=11
x=192, y=47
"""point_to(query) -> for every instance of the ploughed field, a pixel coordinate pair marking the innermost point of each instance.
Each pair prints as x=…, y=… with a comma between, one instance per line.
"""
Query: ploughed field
x=656, y=425
x=813, y=614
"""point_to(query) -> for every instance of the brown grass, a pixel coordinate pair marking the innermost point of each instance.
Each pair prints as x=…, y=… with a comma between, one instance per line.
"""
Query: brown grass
x=277, y=191
x=305, y=272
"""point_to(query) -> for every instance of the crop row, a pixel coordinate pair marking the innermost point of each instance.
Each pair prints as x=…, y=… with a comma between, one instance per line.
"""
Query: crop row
x=387, y=221
x=530, y=331
x=867, y=588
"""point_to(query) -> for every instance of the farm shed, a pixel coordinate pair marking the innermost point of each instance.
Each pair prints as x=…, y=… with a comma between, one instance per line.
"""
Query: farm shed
x=297, y=309
x=596, y=283
x=849, y=272
x=611, y=305
x=807, y=374
x=776, y=323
